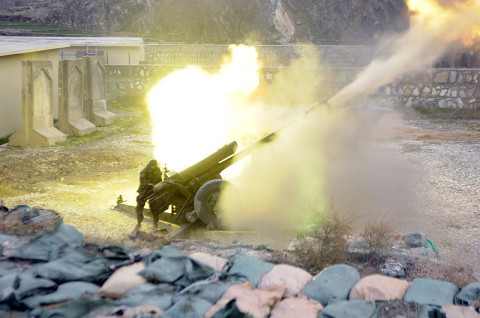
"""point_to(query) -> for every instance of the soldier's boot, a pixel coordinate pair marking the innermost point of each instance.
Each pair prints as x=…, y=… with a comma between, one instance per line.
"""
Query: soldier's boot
x=155, y=222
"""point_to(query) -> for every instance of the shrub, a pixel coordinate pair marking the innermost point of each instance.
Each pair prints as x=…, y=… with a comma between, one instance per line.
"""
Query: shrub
x=378, y=234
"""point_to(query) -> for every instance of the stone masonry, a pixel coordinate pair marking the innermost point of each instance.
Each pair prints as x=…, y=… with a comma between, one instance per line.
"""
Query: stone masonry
x=37, y=107
x=71, y=112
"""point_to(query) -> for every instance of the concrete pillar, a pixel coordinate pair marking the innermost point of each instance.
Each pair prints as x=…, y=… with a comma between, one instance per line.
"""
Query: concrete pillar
x=37, y=107
x=71, y=115
x=95, y=102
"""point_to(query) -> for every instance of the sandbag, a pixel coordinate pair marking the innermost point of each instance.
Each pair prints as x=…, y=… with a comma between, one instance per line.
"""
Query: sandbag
x=211, y=290
x=245, y=267
x=255, y=302
x=296, y=307
x=73, y=309
x=431, y=292
x=187, y=307
x=165, y=252
x=122, y=280
x=332, y=284
x=379, y=287
x=230, y=311
x=213, y=261
x=292, y=278
x=76, y=266
x=454, y=311
x=46, y=246
x=16, y=287
x=348, y=309
x=142, y=311
x=159, y=296
x=64, y=292
x=165, y=270
x=468, y=294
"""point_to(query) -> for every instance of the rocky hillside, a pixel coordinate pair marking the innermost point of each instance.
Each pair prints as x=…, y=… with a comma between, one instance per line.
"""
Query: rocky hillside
x=221, y=21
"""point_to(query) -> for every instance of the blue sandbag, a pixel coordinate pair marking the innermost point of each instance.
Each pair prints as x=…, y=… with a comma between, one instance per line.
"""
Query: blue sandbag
x=468, y=294
x=160, y=296
x=188, y=307
x=243, y=267
x=16, y=287
x=73, y=309
x=64, y=292
x=332, y=284
x=348, y=309
x=431, y=292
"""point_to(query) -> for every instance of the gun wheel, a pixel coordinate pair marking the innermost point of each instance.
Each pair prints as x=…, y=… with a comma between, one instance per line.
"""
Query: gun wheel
x=206, y=200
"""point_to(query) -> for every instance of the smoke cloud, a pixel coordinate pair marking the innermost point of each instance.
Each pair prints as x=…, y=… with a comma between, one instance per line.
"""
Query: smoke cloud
x=337, y=151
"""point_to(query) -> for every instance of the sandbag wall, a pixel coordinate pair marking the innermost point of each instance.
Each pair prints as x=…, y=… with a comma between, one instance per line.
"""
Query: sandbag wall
x=47, y=270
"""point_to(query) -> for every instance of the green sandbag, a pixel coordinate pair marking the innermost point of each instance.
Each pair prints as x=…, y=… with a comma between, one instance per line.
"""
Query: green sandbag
x=64, y=292
x=468, y=294
x=76, y=266
x=47, y=246
x=348, y=309
x=160, y=296
x=332, y=284
x=16, y=287
x=431, y=292
x=187, y=307
x=73, y=309
x=240, y=266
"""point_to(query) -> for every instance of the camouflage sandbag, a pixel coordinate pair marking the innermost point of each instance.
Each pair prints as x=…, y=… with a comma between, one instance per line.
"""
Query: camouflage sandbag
x=431, y=292
x=44, y=247
x=160, y=296
x=14, y=288
x=64, y=292
x=187, y=307
x=468, y=294
x=73, y=309
x=332, y=284
x=241, y=266
x=348, y=309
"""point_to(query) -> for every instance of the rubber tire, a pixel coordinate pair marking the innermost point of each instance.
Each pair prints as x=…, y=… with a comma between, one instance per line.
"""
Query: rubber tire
x=206, y=200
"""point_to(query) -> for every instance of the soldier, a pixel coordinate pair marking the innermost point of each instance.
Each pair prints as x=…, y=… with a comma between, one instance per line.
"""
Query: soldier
x=149, y=176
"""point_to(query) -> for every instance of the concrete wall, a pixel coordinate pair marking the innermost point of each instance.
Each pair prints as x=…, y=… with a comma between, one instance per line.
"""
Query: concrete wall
x=11, y=88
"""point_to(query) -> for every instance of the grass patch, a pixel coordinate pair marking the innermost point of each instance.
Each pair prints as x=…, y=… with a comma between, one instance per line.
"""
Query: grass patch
x=8, y=191
x=4, y=140
x=325, y=243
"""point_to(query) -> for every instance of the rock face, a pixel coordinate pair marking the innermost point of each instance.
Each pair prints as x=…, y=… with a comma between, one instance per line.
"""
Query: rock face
x=223, y=21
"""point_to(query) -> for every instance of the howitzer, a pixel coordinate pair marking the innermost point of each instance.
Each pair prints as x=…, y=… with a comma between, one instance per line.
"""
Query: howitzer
x=193, y=192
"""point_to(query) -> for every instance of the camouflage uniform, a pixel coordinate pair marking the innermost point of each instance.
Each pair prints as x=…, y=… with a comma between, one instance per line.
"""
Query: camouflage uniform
x=149, y=176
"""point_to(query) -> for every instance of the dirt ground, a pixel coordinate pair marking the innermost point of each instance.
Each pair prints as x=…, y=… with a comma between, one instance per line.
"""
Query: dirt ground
x=82, y=179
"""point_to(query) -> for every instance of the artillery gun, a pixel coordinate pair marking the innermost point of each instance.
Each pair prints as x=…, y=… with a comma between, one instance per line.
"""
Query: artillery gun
x=192, y=194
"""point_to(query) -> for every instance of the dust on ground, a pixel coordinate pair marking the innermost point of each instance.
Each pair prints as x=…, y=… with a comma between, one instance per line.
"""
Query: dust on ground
x=82, y=179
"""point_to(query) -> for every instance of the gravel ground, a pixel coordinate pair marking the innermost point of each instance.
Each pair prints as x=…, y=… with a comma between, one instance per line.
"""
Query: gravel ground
x=447, y=155
x=83, y=181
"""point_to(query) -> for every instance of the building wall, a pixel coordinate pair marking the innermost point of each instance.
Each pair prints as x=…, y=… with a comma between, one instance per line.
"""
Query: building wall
x=11, y=87
x=113, y=54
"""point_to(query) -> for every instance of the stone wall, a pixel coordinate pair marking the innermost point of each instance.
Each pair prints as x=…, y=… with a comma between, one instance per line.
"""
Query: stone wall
x=428, y=89
x=436, y=88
